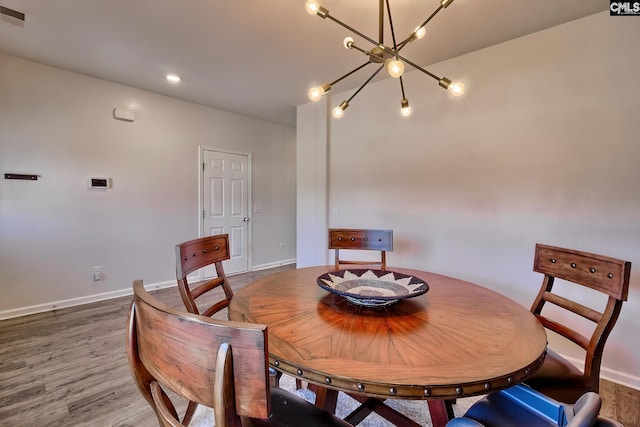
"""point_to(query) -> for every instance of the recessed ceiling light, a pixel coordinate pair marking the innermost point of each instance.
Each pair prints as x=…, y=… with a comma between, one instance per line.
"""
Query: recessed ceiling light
x=173, y=78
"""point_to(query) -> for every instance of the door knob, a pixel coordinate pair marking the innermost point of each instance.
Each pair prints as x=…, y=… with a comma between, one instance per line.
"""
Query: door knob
x=245, y=219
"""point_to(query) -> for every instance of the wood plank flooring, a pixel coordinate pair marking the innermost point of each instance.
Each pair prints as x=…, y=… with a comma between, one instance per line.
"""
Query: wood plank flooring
x=69, y=368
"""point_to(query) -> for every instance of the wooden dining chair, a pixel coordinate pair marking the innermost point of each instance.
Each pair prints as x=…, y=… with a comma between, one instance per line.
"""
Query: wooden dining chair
x=361, y=239
x=195, y=255
x=216, y=363
x=358, y=239
x=199, y=253
x=559, y=378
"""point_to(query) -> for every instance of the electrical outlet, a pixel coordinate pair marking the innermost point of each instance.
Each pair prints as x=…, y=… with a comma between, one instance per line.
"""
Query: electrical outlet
x=281, y=246
x=97, y=274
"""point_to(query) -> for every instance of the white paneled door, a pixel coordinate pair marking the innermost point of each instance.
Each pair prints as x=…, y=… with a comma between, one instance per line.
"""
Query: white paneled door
x=225, y=199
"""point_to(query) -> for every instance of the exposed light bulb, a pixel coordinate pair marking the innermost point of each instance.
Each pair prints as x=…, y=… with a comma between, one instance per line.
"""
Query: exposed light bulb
x=395, y=67
x=315, y=93
x=405, y=109
x=347, y=42
x=456, y=88
x=338, y=112
x=312, y=7
x=420, y=32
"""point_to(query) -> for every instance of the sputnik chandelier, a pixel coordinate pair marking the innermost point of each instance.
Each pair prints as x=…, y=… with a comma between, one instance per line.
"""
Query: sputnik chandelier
x=388, y=56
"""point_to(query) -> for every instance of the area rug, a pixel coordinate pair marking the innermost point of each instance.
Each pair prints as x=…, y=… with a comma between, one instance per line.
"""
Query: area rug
x=414, y=409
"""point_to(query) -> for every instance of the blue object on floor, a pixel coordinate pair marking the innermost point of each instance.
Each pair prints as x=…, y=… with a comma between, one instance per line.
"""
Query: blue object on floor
x=520, y=406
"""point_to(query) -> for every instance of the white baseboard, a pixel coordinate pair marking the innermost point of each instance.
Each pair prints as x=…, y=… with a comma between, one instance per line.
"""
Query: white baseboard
x=627, y=380
x=273, y=264
x=620, y=378
x=57, y=305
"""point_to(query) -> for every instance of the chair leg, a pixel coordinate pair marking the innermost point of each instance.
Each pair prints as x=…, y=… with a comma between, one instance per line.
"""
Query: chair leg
x=274, y=377
x=326, y=399
x=191, y=409
x=448, y=404
x=441, y=412
x=371, y=404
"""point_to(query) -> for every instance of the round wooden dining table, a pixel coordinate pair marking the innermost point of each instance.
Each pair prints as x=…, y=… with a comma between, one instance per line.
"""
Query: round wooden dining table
x=456, y=340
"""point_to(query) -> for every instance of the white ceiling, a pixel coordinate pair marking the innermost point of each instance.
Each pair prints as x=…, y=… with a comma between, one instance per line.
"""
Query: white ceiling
x=256, y=58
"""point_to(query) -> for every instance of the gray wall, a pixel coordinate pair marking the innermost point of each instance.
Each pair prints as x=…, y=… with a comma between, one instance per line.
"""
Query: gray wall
x=53, y=231
x=543, y=148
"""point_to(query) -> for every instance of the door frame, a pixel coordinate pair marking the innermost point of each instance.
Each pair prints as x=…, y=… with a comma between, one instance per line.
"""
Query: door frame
x=201, y=150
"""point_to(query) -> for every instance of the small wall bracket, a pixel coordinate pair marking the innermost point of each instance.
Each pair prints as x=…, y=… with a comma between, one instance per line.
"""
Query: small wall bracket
x=12, y=13
x=26, y=177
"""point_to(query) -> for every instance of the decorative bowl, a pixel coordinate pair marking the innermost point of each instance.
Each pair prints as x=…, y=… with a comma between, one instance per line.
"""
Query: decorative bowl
x=372, y=288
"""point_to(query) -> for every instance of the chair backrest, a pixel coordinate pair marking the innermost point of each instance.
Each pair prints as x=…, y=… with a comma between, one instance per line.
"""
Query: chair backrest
x=220, y=364
x=361, y=239
x=607, y=275
x=194, y=255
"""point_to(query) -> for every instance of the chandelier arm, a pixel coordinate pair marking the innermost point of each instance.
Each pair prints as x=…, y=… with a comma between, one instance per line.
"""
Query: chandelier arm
x=353, y=30
x=402, y=88
x=393, y=33
x=417, y=67
x=408, y=39
x=350, y=72
x=431, y=16
x=381, y=21
x=359, y=49
x=404, y=42
x=365, y=83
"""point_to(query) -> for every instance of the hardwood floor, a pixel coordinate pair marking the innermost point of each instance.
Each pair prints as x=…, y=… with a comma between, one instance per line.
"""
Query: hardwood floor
x=69, y=368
